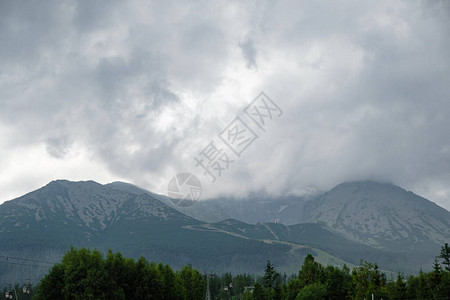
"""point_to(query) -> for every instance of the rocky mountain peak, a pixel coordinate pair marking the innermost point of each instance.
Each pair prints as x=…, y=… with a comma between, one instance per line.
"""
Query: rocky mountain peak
x=85, y=203
x=370, y=211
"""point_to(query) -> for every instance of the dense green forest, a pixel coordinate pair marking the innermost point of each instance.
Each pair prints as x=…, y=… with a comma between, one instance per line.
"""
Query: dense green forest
x=86, y=274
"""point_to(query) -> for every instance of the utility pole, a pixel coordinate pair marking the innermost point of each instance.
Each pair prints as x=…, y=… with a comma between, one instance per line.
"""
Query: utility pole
x=208, y=276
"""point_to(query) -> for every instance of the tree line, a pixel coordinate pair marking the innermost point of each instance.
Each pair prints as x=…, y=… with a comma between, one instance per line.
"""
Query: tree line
x=86, y=274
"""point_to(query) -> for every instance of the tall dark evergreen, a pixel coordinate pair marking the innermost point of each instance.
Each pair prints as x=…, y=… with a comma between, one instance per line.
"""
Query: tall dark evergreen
x=270, y=276
x=445, y=255
x=311, y=271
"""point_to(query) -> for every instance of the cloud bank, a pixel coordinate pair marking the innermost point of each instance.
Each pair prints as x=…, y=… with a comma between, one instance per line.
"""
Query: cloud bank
x=134, y=90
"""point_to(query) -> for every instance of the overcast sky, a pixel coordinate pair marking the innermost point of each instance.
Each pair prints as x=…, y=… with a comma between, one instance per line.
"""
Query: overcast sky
x=134, y=90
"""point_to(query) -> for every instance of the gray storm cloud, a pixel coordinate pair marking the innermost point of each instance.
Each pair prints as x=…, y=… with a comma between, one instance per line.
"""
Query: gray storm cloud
x=134, y=90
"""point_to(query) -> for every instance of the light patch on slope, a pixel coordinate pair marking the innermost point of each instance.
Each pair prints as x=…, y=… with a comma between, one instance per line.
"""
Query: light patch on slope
x=282, y=207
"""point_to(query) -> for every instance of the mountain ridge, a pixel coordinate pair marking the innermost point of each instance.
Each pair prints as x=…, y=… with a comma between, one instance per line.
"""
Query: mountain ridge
x=370, y=211
x=43, y=224
x=137, y=222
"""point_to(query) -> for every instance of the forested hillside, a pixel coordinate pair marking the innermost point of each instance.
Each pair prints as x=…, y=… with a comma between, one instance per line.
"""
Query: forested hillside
x=85, y=274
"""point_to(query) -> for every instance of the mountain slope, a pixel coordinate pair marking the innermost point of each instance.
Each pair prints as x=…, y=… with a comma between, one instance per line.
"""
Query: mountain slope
x=381, y=223
x=77, y=211
x=353, y=221
x=381, y=215
x=43, y=224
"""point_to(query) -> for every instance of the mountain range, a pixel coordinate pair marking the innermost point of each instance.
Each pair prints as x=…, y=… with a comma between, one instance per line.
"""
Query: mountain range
x=378, y=222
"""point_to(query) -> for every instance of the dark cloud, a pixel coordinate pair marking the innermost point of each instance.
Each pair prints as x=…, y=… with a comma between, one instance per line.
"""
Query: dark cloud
x=58, y=146
x=249, y=52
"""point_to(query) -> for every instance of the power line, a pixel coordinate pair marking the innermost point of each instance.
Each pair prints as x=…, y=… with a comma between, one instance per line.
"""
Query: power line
x=26, y=265
x=40, y=263
x=27, y=259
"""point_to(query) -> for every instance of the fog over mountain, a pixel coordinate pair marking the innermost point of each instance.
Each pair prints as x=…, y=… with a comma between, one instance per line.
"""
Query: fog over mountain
x=134, y=91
